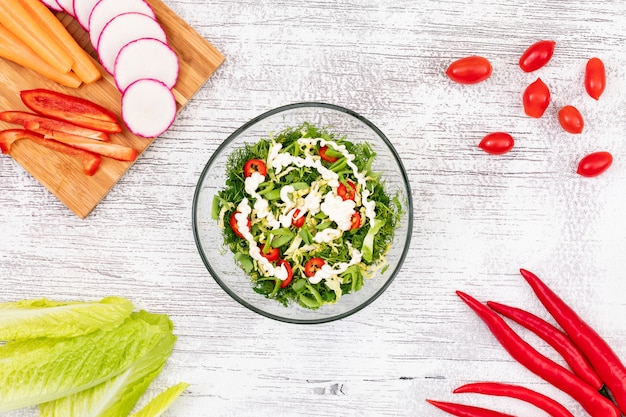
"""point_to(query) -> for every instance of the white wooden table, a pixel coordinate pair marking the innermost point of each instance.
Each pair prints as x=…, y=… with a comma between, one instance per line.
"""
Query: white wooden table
x=478, y=218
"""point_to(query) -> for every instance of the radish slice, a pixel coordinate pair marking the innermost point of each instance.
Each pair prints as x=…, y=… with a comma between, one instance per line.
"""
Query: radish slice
x=106, y=10
x=146, y=58
x=52, y=5
x=148, y=108
x=82, y=11
x=67, y=6
x=122, y=30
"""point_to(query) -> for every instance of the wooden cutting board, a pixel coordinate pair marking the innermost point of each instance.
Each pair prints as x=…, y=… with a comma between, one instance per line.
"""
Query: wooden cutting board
x=62, y=175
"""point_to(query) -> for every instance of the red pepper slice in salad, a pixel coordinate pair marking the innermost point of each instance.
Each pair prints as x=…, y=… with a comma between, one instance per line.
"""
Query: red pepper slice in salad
x=325, y=156
x=298, y=221
x=269, y=253
x=347, y=190
x=287, y=266
x=254, y=165
x=312, y=266
x=234, y=226
x=355, y=221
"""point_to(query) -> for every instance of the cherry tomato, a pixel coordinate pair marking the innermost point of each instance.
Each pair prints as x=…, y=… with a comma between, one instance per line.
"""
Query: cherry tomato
x=254, y=165
x=469, y=70
x=355, y=221
x=297, y=221
x=536, y=56
x=346, y=192
x=287, y=266
x=497, y=143
x=235, y=226
x=595, y=78
x=312, y=266
x=325, y=157
x=271, y=254
x=594, y=164
x=536, y=98
x=571, y=120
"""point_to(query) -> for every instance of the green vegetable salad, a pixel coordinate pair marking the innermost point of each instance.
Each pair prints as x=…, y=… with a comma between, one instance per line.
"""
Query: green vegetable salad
x=305, y=216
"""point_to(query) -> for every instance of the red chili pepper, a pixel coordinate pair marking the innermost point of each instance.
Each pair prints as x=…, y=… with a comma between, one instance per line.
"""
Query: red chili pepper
x=571, y=120
x=591, y=400
x=594, y=164
x=270, y=253
x=297, y=220
x=326, y=157
x=287, y=266
x=347, y=191
x=536, y=98
x=555, y=338
x=497, y=143
x=604, y=360
x=254, y=165
x=235, y=226
x=355, y=221
x=535, y=398
x=469, y=70
x=312, y=266
x=462, y=410
x=537, y=55
x=595, y=78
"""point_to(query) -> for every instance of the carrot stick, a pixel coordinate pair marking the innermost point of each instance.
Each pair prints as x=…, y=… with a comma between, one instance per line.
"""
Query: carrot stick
x=83, y=65
x=15, y=18
x=14, y=50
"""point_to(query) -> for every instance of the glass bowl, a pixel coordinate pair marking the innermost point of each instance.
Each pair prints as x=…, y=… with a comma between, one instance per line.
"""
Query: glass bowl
x=220, y=261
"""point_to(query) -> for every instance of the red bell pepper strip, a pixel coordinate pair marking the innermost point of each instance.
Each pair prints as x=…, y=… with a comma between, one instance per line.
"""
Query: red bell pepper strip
x=71, y=109
x=535, y=398
x=23, y=118
x=555, y=338
x=90, y=161
x=603, y=359
x=108, y=149
x=462, y=410
x=591, y=400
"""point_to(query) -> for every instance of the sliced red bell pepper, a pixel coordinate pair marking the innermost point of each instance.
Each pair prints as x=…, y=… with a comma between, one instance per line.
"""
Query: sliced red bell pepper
x=36, y=122
x=108, y=149
x=71, y=109
x=90, y=161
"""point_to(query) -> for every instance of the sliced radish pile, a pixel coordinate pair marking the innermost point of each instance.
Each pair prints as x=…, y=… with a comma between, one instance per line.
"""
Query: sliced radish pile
x=122, y=30
x=106, y=10
x=132, y=46
x=67, y=6
x=82, y=11
x=148, y=108
x=52, y=5
x=146, y=58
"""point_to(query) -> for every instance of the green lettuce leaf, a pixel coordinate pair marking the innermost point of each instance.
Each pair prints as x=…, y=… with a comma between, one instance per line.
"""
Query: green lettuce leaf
x=368, y=243
x=39, y=370
x=117, y=396
x=159, y=404
x=29, y=319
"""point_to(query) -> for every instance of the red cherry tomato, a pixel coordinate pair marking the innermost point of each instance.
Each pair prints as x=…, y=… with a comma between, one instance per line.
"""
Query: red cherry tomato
x=325, y=157
x=297, y=221
x=312, y=266
x=287, y=266
x=272, y=253
x=469, y=70
x=595, y=78
x=536, y=98
x=594, y=164
x=234, y=226
x=355, y=221
x=254, y=165
x=497, y=143
x=537, y=55
x=347, y=192
x=571, y=120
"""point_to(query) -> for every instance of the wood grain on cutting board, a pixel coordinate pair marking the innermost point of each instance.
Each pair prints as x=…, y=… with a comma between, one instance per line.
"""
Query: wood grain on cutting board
x=62, y=175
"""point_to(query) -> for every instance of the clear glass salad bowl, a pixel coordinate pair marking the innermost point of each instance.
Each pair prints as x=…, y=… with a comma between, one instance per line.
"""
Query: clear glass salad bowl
x=219, y=260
